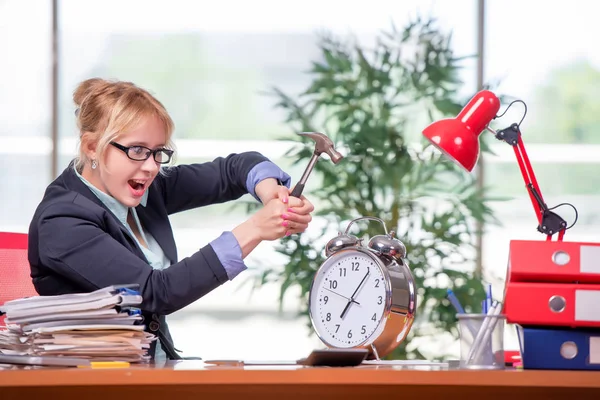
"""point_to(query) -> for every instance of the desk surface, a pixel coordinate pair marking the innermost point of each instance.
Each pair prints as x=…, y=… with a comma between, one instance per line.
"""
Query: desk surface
x=191, y=379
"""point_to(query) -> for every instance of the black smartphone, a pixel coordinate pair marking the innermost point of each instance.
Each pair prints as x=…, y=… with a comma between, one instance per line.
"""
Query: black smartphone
x=335, y=357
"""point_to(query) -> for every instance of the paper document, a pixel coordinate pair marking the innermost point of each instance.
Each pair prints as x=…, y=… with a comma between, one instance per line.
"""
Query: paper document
x=102, y=326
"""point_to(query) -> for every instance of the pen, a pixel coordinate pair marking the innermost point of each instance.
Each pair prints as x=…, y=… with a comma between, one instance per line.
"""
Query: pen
x=243, y=363
x=489, y=323
x=230, y=363
x=460, y=310
x=455, y=303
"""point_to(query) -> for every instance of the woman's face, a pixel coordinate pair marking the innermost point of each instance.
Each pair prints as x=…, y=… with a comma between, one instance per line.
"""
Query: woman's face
x=123, y=178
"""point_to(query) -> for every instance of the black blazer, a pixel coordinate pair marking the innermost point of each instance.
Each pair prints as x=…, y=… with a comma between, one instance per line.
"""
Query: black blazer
x=77, y=245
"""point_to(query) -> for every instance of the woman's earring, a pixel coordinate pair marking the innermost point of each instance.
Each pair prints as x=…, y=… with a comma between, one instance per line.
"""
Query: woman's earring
x=94, y=164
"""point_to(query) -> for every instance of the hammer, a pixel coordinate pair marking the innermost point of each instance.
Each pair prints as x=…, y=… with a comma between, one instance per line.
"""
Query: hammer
x=322, y=145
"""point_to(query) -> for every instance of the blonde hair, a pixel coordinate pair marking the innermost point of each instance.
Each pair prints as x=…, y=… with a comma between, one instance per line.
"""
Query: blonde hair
x=107, y=109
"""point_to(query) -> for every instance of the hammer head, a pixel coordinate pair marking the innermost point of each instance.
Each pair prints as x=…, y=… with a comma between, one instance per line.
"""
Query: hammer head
x=323, y=145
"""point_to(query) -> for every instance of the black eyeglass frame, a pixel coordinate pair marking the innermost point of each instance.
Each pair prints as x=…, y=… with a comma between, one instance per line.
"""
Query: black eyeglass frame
x=154, y=153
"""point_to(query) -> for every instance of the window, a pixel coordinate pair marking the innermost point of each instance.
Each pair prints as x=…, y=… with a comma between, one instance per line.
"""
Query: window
x=25, y=82
x=553, y=64
x=210, y=67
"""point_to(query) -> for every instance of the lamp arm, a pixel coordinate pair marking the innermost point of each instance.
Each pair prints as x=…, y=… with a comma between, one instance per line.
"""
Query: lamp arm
x=549, y=222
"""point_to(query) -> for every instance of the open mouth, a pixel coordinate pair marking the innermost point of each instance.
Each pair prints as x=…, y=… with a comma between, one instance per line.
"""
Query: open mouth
x=137, y=186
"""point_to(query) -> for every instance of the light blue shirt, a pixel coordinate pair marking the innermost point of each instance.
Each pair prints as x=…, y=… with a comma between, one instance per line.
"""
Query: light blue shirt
x=226, y=246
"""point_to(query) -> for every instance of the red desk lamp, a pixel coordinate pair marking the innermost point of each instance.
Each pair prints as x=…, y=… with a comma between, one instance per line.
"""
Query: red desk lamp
x=552, y=288
x=458, y=139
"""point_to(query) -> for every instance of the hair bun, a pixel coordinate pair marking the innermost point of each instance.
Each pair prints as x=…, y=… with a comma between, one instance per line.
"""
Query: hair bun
x=87, y=88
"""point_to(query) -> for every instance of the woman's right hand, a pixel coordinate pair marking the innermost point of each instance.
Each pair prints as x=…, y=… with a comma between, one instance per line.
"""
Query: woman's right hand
x=271, y=222
x=279, y=217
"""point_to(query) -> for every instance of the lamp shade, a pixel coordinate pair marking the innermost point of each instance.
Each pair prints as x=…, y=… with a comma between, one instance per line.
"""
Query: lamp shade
x=458, y=138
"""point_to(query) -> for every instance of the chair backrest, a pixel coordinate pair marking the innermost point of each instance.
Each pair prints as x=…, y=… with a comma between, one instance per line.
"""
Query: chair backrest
x=15, y=278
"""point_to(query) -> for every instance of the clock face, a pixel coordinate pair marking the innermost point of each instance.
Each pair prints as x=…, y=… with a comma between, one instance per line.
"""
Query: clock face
x=348, y=299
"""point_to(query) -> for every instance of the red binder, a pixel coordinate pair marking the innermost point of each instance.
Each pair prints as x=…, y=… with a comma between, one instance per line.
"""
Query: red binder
x=552, y=304
x=547, y=261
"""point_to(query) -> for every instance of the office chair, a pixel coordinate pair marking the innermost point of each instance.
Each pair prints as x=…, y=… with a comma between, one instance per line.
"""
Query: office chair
x=15, y=279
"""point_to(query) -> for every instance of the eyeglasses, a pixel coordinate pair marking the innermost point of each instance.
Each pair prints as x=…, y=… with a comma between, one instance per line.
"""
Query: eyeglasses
x=141, y=153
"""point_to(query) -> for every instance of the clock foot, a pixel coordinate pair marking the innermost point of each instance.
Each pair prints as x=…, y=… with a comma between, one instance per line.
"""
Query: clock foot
x=375, y=352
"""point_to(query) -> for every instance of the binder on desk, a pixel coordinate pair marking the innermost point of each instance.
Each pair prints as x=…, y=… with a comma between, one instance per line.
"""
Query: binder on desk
x=546, y=261
x=571, y=349
x=552, y=304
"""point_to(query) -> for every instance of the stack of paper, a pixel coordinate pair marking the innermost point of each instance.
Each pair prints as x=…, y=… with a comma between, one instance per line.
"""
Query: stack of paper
x=101, y=325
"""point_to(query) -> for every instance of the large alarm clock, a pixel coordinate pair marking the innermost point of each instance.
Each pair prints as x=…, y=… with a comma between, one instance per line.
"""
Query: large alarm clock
x=363, y=296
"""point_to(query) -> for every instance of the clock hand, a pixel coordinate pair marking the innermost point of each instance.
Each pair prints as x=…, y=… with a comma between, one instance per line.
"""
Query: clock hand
x=351, y=299
x=360, y=284
x=345, y=309
x=341, y=295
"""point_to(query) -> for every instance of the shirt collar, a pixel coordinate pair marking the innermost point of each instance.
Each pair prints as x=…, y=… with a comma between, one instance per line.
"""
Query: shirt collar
x=110, y=202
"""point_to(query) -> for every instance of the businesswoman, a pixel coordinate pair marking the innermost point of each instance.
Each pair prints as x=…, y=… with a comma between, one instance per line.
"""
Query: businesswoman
x=105, y=219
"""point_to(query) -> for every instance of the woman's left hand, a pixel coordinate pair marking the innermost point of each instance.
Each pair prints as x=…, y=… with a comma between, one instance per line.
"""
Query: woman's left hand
x=298, y=213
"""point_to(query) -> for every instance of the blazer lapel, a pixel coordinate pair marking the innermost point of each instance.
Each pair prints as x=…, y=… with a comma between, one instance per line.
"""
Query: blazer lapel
x=151, y=220
x=160, y=229
x=75, y=184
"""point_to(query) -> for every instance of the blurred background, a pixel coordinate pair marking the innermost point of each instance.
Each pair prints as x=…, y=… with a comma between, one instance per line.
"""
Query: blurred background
x=210, y=63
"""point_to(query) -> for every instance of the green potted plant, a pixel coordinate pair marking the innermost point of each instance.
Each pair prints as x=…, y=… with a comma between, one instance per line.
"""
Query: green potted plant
x=373, y=103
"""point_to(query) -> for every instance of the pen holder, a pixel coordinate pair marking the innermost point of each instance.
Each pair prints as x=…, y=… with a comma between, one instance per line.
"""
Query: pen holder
x=481, y=341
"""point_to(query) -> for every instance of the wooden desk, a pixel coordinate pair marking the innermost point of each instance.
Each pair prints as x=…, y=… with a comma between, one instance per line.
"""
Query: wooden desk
x=194, y=380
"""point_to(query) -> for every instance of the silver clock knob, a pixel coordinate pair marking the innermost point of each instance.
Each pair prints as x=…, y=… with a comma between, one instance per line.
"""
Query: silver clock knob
x=388, y=246
x=341, y=242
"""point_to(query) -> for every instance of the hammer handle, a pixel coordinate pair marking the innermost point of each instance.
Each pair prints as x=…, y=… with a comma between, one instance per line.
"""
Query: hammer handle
x=297, y=190
x=300, y=185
